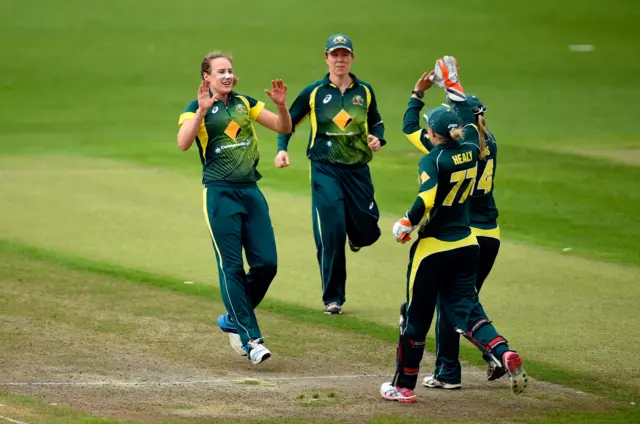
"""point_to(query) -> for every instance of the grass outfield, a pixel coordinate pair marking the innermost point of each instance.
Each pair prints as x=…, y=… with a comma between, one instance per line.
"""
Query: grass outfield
x=115, y=348
x=91, y=93
x=158, y=214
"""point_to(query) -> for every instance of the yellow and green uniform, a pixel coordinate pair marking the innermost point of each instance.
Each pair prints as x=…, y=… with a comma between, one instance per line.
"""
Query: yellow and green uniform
x=340, y=123
x=343, y=202
x=444, y=258
x=227, y=140
x=483, y=221
x=236, y=212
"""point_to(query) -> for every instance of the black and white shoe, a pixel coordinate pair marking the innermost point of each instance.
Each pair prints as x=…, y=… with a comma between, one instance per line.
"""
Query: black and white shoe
x=333, y=308
x=353, y=247
x=431, y=382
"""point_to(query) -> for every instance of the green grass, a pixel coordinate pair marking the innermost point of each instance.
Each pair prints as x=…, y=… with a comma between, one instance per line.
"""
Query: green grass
x=594, y=383
x=150, y=219
x=49, y=283
x=118, y=74
x=83, y=81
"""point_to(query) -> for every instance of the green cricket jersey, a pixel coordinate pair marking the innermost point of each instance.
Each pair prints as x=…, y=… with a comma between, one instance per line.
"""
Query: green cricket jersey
x=340, y=123
x=484, y=213
x=447, y=175
x=227, y=140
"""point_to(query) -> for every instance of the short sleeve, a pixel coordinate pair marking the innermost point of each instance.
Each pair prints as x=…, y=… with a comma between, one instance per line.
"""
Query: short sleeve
x=255, y=107
x=189, y=112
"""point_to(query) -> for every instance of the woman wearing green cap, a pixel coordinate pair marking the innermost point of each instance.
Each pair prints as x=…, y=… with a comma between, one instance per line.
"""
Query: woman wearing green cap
x=484, y=224
x=443, y=261
x=346, y=129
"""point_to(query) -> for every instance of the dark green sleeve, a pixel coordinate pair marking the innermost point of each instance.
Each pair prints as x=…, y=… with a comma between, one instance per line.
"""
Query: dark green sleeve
x=298, y=111
x=421, y=209
x=412, y=129
x=192, y=106
x=464, y=112
x=374, y=120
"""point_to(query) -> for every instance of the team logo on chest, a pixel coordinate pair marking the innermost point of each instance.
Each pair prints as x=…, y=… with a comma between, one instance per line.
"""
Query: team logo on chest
x=357, y=100
x=233, y=130
x=342, y=119
x=240, y=108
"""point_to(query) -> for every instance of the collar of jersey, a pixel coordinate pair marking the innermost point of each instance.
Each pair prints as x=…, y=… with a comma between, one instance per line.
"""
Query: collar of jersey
x=327, y=81
x=232, y=94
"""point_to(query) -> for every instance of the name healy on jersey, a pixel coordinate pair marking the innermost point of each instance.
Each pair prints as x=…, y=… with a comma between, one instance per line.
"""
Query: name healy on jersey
x=461, y=158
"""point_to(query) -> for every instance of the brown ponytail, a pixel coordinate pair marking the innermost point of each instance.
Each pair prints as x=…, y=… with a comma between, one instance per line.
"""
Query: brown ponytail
x=456, y=134
x=482, y=131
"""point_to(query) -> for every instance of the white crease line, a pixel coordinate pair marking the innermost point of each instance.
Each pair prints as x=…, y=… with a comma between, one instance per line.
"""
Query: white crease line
x=11, y=420
x=180, y=383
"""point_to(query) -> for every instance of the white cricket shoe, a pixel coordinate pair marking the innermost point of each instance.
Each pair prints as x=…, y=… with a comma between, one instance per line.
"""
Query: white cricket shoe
x=402, y=395
x=258, y=352
x=431, y=382
x=236, y=344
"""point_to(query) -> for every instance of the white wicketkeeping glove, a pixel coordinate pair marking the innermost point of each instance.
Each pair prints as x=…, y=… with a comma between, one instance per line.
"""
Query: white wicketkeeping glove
x=446, y=77
x=402, y=230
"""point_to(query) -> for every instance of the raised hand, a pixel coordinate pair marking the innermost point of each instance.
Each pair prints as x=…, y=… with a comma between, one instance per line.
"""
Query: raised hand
x=205, y=101
x=278, y=93
x=446, y=76
x=425, y=82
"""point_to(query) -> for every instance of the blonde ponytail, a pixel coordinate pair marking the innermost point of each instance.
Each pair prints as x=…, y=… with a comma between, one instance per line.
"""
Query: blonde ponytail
x=482, y=131
x=456, y=134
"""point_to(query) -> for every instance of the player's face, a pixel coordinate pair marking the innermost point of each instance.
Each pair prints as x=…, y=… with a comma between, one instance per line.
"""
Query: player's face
x=221, y=77
x=339, y=62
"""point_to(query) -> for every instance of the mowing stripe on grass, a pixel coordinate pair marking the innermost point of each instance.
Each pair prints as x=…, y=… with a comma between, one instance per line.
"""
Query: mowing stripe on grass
x=11, y=420
x=387, y=333
x=209, y=381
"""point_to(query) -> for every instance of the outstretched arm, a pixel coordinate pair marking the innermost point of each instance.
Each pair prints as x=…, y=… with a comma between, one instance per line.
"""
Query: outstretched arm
x=417, y=135
x=298, y=111
x=281, y=122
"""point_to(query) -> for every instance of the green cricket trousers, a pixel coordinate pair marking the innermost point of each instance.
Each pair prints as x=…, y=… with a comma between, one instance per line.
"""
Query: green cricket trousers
x=343, y=205
x=448, y=369
x=238, y=217
x=444, y=270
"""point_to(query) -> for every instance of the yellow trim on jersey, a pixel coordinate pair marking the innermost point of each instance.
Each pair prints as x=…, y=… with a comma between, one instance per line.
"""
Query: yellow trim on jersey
x=202, y=135
x=253, y=112
x=206, y=218
x=185, y=116
x=474, y=126
x=492, y=233
x=431, y=245
x=414, y=138
x=312, y=116
x=366, y=121
x=429, y=199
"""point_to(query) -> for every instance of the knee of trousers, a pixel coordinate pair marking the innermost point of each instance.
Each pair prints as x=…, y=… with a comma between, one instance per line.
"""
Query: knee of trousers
x=268, y=269
x=232, y=273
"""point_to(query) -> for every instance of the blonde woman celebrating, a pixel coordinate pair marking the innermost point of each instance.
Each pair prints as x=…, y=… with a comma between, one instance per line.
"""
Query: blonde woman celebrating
x=220, y=122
